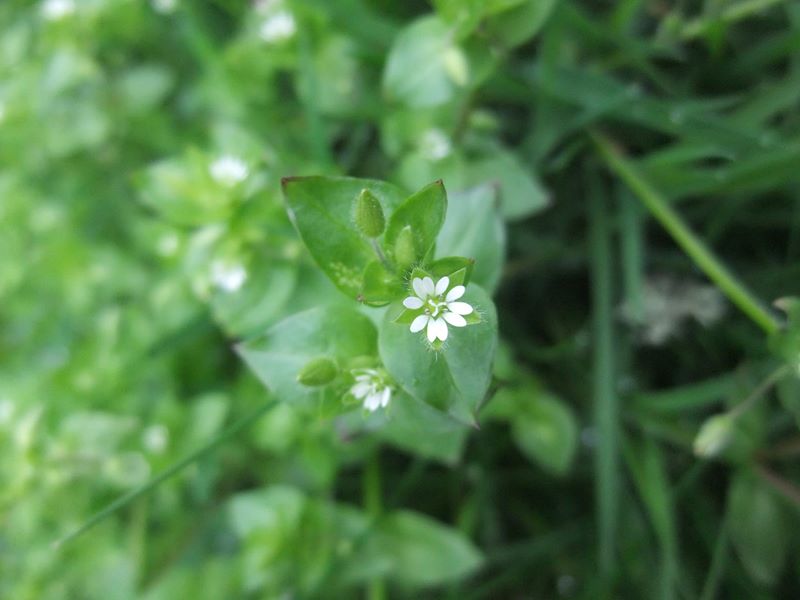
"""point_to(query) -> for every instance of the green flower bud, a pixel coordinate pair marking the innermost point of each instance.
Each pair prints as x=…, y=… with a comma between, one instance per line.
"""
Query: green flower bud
x=714, y=436
x=318, y=372
x=369, y=214
x=404, y=253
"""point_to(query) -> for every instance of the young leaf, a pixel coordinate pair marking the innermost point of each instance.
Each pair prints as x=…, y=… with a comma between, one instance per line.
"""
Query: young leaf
x=380, y=286
x=424, y=214
x=321, y=209
x=279, y=355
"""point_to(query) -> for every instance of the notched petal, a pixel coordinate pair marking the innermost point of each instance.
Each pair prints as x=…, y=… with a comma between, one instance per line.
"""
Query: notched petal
x=413, y=303
x=460, y=308
x=455, y=293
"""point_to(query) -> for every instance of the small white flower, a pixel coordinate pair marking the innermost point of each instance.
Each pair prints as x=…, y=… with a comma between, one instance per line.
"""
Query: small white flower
x=164, y=6
x=371, y=388
x=53, y=10
x=155, y=438
x=435, y=144
x=278, y=27
x=439, y=307
x=228, y=277
x=229, y=170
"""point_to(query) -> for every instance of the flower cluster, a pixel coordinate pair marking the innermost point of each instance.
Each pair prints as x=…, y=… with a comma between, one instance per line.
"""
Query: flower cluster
x=371, y=388
x=439, y=307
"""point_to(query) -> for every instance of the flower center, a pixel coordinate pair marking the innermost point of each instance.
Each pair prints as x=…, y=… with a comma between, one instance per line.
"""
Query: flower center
x=435, y=306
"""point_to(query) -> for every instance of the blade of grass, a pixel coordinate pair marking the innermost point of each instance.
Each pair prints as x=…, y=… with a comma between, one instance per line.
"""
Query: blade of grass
x=606, y=415
x=632, y=253
x=171, y=471
x=731, y=14
x=685, y=237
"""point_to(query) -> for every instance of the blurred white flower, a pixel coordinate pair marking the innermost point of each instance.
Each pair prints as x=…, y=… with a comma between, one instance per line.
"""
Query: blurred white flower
x=155, y=438
x=371, y=388
x=438, y=306
x=667, y=303
x=164, y=6
x=228, y=277
x=435, y=144
x=278, y=27
x=6, y=411
x=168, y=244
x=229, y=170
x=53, y=10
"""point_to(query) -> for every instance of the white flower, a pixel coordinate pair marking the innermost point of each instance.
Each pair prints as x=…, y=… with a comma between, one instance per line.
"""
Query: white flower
x=229, y=170
x=164, y=6
x=371, y=388
x=228, y=277
x=53, y=10
x=439, y=306
x=435, y=144
x=278, y=27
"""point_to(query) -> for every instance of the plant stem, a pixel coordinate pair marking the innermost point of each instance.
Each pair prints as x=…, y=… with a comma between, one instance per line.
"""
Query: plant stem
x=730, y=14
x=606, y=410
x=759, y=392
x=374, y=506
x=176, y=468
x=685, y=237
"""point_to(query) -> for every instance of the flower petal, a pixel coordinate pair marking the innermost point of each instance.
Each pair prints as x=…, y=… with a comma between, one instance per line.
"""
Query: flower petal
x=441, y=329
x=372, y=402
x=360, y=390
x=419, y=288
x=460, y=308
x=433, y=330
x=427, y=285
x=419, y=323
x=385, y=396
x=455, y=293
x=413, y=303
x=454, y=319
x=442, y=285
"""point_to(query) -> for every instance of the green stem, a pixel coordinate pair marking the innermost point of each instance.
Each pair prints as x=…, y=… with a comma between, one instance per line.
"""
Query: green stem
x=759, y=392
x=606, y=410
x=374, y=506
x=730, y=14
x=685, y=237
x=176, y=468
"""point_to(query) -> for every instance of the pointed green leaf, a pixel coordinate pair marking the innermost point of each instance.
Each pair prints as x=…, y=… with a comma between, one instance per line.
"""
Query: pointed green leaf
x=321, y=209
x=424, y=213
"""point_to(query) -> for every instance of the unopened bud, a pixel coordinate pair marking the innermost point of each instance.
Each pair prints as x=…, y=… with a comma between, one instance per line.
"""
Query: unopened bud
x=714, y=436
x=404, y=253
x=369, y=214
x=317, y=372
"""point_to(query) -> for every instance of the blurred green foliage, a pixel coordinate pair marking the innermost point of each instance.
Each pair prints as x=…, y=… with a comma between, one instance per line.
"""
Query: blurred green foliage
x=143, y=237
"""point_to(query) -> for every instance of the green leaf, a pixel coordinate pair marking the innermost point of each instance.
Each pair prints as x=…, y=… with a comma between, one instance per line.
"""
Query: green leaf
x=420, y=69
x=543, y=428
x=424, y=213
x=758, y=528
x=277, y=356
x=380, y=286
x=321, y=209
x=425, y=552
x=520, y=24
x=453, y=379
x=473, y=227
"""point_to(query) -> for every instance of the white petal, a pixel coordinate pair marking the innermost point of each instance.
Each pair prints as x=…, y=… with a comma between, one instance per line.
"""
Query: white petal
x=442, y=285
x=454, y=319
x=433, y=330
x=419, y=287
x=441, y=329
x=455, y=293
x=412, y=302
x=419, y=323
x=372, y=402
x=460, y=308
x=427, y=285
x=385, y=396
x=360, y=390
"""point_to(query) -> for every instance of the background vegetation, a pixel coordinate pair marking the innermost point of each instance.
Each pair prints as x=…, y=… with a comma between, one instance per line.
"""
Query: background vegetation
x=625, y=140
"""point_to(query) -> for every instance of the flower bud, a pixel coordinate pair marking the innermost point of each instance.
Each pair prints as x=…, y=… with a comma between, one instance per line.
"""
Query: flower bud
x=714, y=436
x=369, y=214
x=404, y=253
x=318, y=372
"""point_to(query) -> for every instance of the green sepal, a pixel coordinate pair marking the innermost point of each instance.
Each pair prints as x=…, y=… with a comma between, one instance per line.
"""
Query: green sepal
x=457, y=268
x=380, y=285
